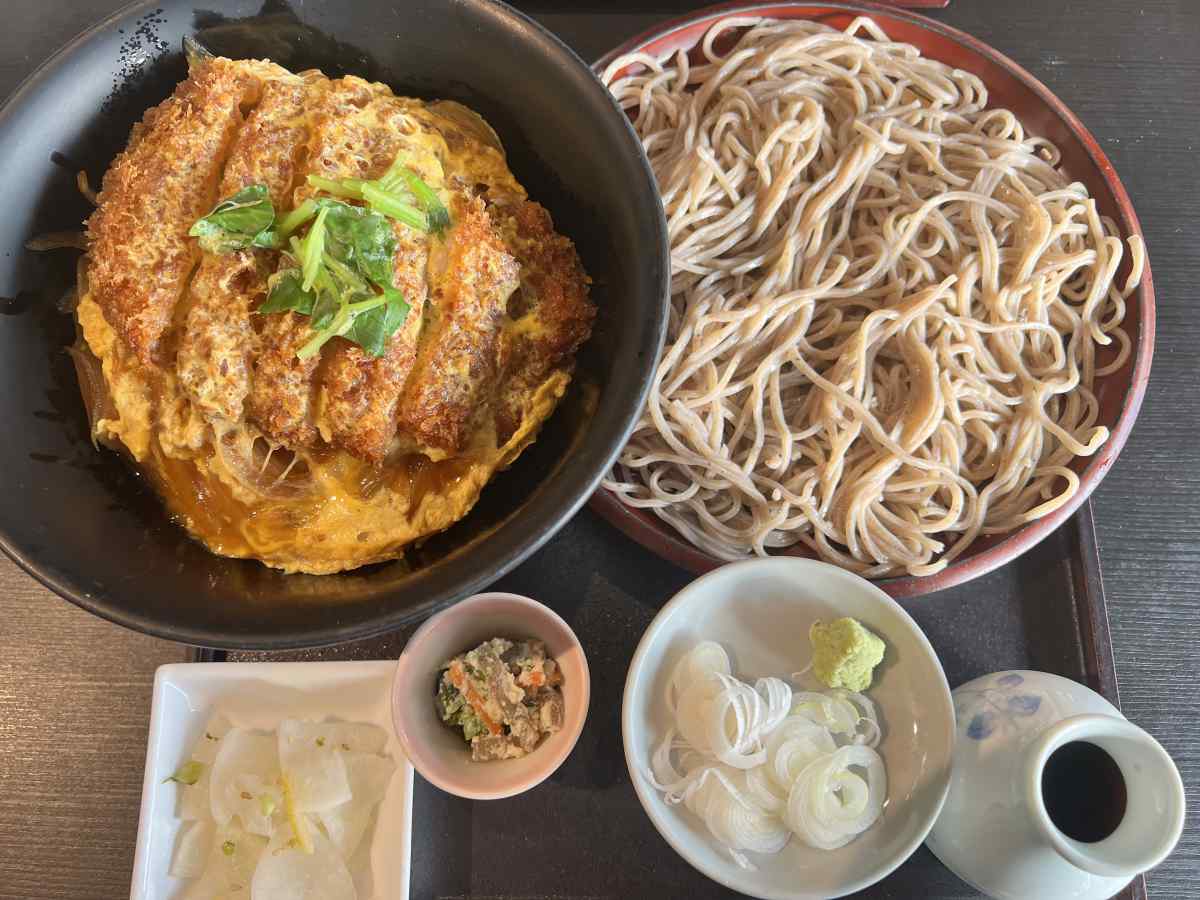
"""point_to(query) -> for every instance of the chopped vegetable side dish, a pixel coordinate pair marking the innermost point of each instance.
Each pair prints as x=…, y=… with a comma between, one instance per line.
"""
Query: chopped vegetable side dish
x=504, y=695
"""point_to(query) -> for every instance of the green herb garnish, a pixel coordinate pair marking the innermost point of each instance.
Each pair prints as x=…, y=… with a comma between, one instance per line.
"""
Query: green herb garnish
x=337, y=287
x=357, y=247
x=372, y=328
x=238, y=222
x=380, y=195
x=312, y=248
x=287, y=293
x=390, y=195
x=394, y=206
x=342, y=272
x=297, y=217
x=189, y=773
x=371, y=336
x=363, y=239
x=266, y=803
x=435, y=210
x=228, y=848
x=347, y=188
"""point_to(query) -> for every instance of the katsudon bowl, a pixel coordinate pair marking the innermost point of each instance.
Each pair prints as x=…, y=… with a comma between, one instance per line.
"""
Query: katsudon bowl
x=83, y=521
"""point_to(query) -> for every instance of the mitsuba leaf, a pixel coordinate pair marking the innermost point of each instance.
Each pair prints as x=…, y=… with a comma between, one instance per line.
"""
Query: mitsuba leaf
x=344, y=258
x=287, y=293
x=312, y=247
x=237, y=222
x=327, y=305
x=362, y=239
x=372, y=329
x=268, y=239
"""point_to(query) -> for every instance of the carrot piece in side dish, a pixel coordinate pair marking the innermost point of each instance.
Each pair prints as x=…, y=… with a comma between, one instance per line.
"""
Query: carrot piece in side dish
x=459, y=679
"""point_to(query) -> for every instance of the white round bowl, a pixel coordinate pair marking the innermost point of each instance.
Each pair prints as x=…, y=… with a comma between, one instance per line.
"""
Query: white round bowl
x=760, y=611
x=437, y=751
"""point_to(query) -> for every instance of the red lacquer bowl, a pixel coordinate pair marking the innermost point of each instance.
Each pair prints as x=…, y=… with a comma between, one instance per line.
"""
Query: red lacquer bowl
x=1009, y=86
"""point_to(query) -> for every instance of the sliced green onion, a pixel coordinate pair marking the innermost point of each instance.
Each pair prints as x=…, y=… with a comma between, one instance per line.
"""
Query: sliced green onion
x=340, y=325
x=312, y=249
x=362, y=306
x=266, y=803
x=394, y=207
x=435, y=210
x=296, y=218
x=228, y=848
x=346, y=188
x=189, y=773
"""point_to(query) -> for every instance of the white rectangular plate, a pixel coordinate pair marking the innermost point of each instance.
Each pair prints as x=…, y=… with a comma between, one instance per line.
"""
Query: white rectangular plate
x=260, y=695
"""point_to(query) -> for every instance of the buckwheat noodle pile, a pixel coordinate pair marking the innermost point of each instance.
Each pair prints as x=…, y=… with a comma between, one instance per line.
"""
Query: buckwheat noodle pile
x=887, y=302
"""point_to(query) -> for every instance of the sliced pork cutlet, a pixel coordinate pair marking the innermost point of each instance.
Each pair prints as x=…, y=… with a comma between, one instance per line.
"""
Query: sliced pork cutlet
x=140, y=257
x=472, y=276
x=552, y=314
x=219, y=342
x=282, y=386
x=360, y=392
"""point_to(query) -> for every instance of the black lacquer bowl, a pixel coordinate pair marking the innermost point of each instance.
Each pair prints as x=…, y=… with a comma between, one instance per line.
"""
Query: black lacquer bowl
x=85, y=524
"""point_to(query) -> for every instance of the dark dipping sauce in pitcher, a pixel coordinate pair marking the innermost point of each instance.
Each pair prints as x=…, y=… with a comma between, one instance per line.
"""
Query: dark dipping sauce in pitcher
x=1084, y=791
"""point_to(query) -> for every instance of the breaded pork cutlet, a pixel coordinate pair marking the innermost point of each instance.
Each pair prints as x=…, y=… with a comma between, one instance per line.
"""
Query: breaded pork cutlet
x=326, y=315
x=358, y=393
x=218, y=343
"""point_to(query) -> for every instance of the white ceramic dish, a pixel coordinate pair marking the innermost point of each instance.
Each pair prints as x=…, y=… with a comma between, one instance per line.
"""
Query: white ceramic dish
x=760, y=611
x=260, y=695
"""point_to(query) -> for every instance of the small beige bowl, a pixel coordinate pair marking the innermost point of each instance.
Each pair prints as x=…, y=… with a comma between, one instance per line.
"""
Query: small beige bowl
x=436, y=750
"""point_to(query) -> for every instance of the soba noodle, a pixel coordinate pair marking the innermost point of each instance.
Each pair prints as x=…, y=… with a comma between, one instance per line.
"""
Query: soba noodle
x=887, y=302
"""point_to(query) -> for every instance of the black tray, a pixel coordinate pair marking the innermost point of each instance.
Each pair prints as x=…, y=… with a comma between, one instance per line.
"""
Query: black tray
x=583, y=834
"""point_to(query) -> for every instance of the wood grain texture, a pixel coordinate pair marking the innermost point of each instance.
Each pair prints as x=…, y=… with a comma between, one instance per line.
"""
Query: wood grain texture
x=74, y=704
x=74, y=690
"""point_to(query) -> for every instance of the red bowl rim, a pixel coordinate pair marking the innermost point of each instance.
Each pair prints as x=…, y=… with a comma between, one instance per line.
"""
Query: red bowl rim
x=654, y=535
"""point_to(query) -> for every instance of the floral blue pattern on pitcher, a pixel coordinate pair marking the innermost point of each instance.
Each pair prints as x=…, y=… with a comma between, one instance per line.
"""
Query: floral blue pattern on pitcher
x=1003, y=703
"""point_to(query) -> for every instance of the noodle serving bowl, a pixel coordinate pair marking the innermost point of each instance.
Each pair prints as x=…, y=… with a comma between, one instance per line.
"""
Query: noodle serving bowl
x=1118, y=393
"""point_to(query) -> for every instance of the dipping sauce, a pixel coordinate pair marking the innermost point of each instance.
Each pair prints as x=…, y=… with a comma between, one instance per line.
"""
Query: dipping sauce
x=503, y=696
x=1084, y=791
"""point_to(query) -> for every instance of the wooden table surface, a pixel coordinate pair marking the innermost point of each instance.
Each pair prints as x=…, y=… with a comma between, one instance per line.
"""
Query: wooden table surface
x=75, y=690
